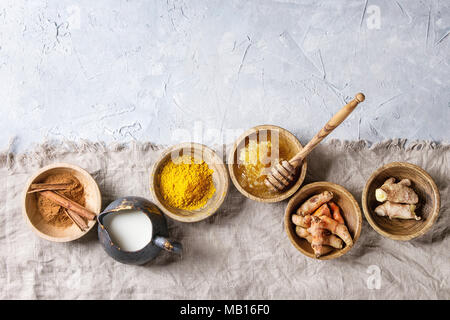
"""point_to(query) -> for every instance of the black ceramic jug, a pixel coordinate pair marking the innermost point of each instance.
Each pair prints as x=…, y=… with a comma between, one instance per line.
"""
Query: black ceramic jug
x=160, y=233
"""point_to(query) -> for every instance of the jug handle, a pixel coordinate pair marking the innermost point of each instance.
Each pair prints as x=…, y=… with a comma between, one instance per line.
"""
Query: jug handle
x=168, y=245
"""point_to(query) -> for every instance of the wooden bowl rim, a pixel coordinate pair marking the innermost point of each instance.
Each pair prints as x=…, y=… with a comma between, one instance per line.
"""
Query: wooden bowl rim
x=282, y=196
x=347, y=195
x=222, y=171
x=433, y=216
x=61, y=165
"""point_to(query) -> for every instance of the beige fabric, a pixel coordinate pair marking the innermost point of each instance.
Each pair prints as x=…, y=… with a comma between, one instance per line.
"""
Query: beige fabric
x=242, y=252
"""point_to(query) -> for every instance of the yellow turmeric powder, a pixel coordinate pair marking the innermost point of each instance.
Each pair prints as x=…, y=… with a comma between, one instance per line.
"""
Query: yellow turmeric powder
x=186, y=183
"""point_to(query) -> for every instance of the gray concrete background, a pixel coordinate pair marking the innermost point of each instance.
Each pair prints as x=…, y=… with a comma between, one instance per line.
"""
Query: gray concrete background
x=166, y=71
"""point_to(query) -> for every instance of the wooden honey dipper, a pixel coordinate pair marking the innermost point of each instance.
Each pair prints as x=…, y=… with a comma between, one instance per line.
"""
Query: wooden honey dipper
x=282, y=174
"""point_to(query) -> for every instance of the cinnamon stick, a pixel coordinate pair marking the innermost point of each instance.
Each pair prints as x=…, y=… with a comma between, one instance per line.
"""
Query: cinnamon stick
x=76, y=219
x=68, y=204
x=37, y=187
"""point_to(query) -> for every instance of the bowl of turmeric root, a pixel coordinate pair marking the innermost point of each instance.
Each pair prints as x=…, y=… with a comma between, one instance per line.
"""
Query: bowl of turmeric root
x=401, y=201
x=323, y=220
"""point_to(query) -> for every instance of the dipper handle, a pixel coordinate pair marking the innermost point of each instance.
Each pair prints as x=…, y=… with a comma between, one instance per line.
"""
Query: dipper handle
x=332, y=124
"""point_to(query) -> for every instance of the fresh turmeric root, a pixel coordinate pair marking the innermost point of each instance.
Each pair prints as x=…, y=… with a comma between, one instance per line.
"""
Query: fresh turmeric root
x=397, y=210
x=322, y=236
x=336, y=212
x=323, y=228
x=313, y=203
x=321, y=241
x=320, y=250
x=301, y=221
x=303, y=233
x=334, y=227
x=323, y=210
x=396, y=192
x=305, y=221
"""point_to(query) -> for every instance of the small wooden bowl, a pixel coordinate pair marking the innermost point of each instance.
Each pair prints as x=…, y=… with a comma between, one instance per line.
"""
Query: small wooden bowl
x=220, y=179
x=427, y=208
x=349, y=208
x=286, y=138
x=47, y=231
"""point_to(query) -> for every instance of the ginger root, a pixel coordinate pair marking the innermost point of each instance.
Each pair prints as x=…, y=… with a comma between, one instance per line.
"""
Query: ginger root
x=397, y=210
x=396, y=192
x=313, y=203
x=399, y=200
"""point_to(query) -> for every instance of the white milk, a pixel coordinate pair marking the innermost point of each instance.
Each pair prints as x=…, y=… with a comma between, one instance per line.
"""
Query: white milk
x=130, y=230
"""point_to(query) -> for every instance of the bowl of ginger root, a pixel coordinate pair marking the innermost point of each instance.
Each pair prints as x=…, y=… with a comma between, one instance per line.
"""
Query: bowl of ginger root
x=401, y=201
x=323, y=220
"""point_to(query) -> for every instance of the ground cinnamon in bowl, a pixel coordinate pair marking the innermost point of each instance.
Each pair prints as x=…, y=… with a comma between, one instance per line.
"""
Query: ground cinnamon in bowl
x=53, y=213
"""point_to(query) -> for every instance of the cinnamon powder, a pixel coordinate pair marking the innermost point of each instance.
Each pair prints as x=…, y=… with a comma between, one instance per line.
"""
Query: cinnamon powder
x=53, y=213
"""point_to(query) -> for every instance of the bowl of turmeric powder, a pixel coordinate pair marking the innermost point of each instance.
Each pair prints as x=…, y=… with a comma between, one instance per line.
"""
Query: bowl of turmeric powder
x=189, y=182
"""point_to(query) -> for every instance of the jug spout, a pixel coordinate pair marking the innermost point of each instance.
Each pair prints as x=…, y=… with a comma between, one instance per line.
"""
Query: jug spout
x=168, y=245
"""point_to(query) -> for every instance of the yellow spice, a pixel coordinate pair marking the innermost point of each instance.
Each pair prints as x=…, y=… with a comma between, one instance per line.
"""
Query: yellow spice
x=186, y=183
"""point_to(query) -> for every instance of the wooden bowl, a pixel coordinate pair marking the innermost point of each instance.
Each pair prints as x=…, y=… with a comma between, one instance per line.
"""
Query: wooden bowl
x=287, y=139
x=220, y=179
x=349, y=208
x=47, y=231
x=427, y=208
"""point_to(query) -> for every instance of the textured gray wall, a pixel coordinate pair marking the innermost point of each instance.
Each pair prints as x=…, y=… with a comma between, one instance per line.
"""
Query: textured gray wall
x=156, y=70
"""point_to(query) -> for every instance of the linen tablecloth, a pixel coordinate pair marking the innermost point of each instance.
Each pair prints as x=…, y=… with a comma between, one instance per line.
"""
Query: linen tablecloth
x=242, y=252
